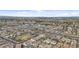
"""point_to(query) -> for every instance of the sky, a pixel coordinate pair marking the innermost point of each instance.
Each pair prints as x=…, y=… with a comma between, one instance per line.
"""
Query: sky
x=40, y=13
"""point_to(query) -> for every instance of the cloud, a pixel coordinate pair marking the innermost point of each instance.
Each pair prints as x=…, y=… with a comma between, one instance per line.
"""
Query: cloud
x=75, y=13
x=68, y=14
x=61, y=14
x=39, y=11
x=21, y=12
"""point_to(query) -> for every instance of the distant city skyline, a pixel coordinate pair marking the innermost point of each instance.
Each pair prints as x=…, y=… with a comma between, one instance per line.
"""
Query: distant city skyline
x=40, y=13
